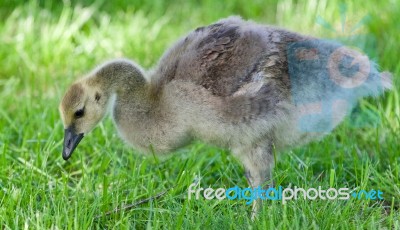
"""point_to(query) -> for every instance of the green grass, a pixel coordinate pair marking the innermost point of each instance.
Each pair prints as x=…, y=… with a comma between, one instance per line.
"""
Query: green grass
x=45, y=45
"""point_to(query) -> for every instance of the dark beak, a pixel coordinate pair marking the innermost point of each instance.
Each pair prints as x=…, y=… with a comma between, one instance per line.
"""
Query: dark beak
x=71, y=140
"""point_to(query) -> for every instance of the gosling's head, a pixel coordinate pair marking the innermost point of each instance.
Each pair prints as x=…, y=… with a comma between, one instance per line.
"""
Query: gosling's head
x=86, y=101
x=82, y=108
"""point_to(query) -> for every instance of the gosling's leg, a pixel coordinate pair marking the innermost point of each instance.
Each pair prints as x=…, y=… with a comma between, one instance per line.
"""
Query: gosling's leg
x=258, y=163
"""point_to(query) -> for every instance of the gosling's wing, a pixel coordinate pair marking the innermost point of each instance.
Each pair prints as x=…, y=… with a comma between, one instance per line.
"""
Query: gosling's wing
x=241, y=63
x=227, y=55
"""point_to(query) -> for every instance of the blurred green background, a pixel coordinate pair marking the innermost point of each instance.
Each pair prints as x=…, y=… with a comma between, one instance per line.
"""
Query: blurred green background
x=46, y=45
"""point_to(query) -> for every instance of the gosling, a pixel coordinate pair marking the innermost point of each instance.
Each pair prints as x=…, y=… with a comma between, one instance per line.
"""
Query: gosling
x=250, y=88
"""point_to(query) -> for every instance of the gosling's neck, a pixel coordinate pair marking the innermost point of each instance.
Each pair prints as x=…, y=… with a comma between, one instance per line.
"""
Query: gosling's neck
x=119, y=75
x=125, y=79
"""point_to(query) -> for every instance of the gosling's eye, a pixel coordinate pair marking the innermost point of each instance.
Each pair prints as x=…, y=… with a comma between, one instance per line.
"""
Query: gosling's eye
x=79, y=113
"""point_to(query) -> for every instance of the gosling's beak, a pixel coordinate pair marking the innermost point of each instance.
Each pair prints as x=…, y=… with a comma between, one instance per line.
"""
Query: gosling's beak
x=71, y=140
